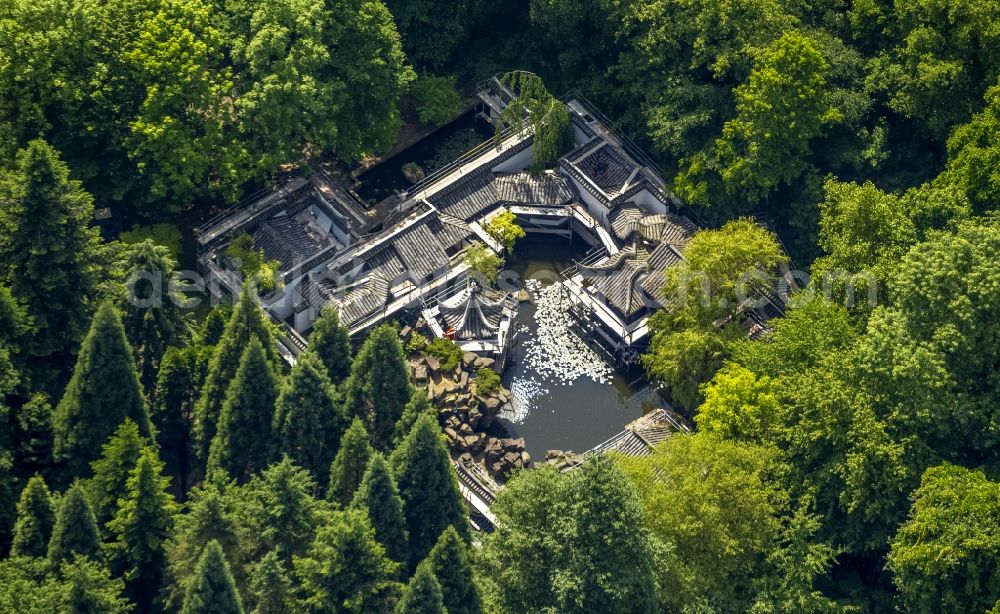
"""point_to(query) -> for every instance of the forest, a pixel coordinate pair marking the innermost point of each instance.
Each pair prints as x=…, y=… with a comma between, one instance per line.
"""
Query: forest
x=156, y=456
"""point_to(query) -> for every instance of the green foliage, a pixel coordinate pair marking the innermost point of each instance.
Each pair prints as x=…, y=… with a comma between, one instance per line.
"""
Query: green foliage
x=75, y=531
x=451, y=562
x=103, y=391
x=346, y=568
x=250, y=262
x=163, y=234
x=243, y=444
x=209, y=517
x=379, y=385
x=172, y=407
x=330, y=341
x=245, y=322
x=537, y=111
x=91, y=588
x=277, y=510
x=739, y=406
x=270, y=586
x=683, y=360
x=109, y=484
x=415, y=344
x=945, y=556
x=35, y=519
x=447, y=351
x=436, y=98
x=483, y=263
x=213, y=590
x=141, y=526
x=47, y=249
x=33, y=434
x=378, y=496
x=725, y=503
x=487, y=381
x=428, y=488
x=504, y=228
x=309, y=419
x=152, y=311
x=422, y=594
x=350, y=464
x=569, y=542
x=417, y=406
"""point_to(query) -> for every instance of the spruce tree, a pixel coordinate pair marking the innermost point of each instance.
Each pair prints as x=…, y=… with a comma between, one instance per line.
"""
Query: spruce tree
x=429, y=488
x=308, y=418
x=346, y=568
x=349, y=466
x=103, y=391
x=332, y=343
x=75, y=531
x=278, y=509
x=141, y=527
x=451, y=561
x=417, y=406
x=270, y=587
x=246, y=322
x=33, y=434
x=379, y=498
x=213, y=590
x=91, y=589
x=422, y=594
x=47, y=250
x=243, y=442
x=379, y=387
x=119, y=456
x=172, y=410
x=35, y=519
x=209, y=517
x=151, y=311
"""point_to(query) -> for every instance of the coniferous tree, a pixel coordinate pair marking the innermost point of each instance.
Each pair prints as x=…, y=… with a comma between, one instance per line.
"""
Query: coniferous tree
x=451, y=562
x=417, y=406
x=332, y=343
x=349, y=466
x=377, y=495
x=308, y=419
x=379, y=386
x=172, y=410
x=8, y=504
x=141, y=527
x=33, y=435
x=47, y=250
x=91, y=589
x=35, y=519
x=75, y=531
x=270, y=587
x=422, y=594
x=119, y=456
x=246, y=322
x=242, y=445
x=151, y=310
x=346, y=568
x=213, y=590
x=103, y=391
x=428, y=487
x=209, y=517
x=278, y=509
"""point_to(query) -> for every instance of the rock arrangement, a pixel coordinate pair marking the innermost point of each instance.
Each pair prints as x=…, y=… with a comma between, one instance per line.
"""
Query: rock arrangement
x=465, y=414
x=556, y=352
x=563, y=459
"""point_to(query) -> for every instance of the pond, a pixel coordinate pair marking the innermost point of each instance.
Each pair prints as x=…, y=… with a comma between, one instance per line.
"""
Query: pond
x=553, y=411
x=432, y=152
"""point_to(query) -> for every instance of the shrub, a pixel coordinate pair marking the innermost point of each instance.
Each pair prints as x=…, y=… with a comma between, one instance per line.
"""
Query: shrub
x=487, y=381
x=416, y=343
x=436, y=98
x=447, y=352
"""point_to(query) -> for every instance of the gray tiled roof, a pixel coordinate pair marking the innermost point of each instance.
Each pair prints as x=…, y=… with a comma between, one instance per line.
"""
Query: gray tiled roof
x=480, y=192
x=620, y=288
x=286, y=240
x=473, y=314
x=607, y=168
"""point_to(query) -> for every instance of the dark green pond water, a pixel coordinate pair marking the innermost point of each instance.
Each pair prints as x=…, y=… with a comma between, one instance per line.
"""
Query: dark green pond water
x=566, y=416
